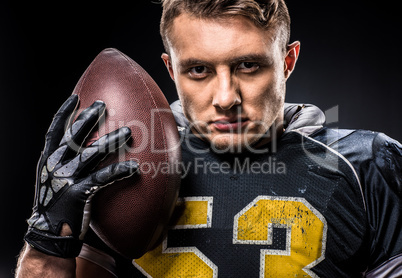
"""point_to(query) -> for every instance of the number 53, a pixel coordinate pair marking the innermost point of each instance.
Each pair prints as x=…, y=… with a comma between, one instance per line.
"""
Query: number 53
x=306, y=231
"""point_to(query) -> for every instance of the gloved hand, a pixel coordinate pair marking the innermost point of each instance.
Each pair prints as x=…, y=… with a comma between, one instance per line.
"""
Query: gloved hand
x=65, y=183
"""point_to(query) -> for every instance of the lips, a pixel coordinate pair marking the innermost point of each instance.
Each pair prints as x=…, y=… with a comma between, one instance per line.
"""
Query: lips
x=232, y=124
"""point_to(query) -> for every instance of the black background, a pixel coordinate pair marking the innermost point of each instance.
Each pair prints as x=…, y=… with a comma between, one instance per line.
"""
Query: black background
x=350, y=59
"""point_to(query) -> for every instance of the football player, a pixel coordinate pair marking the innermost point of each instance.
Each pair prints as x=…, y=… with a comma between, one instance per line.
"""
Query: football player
x=264, y=195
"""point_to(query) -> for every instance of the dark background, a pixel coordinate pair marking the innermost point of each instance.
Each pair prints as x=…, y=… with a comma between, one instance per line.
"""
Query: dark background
x=350, y=59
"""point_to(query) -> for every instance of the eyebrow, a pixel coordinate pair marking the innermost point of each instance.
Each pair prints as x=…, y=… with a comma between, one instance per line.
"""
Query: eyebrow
x=261, y=58
x=192, y=62
x=252, y=58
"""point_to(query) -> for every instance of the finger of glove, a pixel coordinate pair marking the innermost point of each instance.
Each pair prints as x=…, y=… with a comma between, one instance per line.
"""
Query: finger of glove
x=91, y=155
x=104, y=146
x=82, y=126
x=60, y=120
x=109, y=174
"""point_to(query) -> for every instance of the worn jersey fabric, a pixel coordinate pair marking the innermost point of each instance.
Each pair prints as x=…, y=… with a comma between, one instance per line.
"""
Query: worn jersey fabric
x=324, y=205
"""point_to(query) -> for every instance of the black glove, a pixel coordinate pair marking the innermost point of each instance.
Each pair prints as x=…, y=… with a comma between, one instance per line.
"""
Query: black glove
x=65, y=184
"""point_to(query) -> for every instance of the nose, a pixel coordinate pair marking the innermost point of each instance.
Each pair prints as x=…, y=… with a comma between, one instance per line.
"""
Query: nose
x=226, y=92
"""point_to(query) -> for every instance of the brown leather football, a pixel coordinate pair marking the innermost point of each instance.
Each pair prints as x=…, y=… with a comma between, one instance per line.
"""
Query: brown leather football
x=131, y=215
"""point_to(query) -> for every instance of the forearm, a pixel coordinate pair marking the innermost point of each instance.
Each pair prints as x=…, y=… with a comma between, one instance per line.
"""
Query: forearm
x=33, y=263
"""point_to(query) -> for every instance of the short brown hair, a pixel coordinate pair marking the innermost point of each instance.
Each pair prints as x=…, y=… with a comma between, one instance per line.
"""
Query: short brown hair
x=263, y=13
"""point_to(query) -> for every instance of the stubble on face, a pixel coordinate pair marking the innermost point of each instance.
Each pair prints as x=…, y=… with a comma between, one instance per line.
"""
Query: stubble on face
x=221, y=48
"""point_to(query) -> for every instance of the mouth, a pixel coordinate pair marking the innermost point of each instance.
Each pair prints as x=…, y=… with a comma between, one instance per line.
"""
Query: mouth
x=232, y=124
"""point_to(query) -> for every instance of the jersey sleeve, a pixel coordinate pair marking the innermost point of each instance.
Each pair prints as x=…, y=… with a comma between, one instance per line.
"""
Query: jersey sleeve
x=383, y=182
x=388, y=158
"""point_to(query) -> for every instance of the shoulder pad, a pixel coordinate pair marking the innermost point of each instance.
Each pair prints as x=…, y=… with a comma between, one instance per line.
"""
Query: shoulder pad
x=178, y=114
x=307, y=118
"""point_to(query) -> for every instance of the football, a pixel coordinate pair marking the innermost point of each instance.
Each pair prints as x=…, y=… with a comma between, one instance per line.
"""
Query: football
x=131, y=215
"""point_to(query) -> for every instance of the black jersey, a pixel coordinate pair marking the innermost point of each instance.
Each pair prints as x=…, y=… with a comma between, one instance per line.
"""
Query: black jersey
x=320, y=205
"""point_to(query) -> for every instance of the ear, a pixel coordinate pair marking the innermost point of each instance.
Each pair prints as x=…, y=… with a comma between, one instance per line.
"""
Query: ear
x=291, y=58
x=166, y=59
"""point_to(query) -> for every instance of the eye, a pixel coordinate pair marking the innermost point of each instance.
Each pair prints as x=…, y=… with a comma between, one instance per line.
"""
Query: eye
x=198, y=72
x=248, y=67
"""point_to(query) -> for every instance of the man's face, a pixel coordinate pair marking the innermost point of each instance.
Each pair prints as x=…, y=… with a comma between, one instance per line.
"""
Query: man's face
x=230, y=76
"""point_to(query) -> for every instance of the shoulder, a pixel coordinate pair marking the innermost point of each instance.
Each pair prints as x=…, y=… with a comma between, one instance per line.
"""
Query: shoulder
x=370, y=153
x=377, y=161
